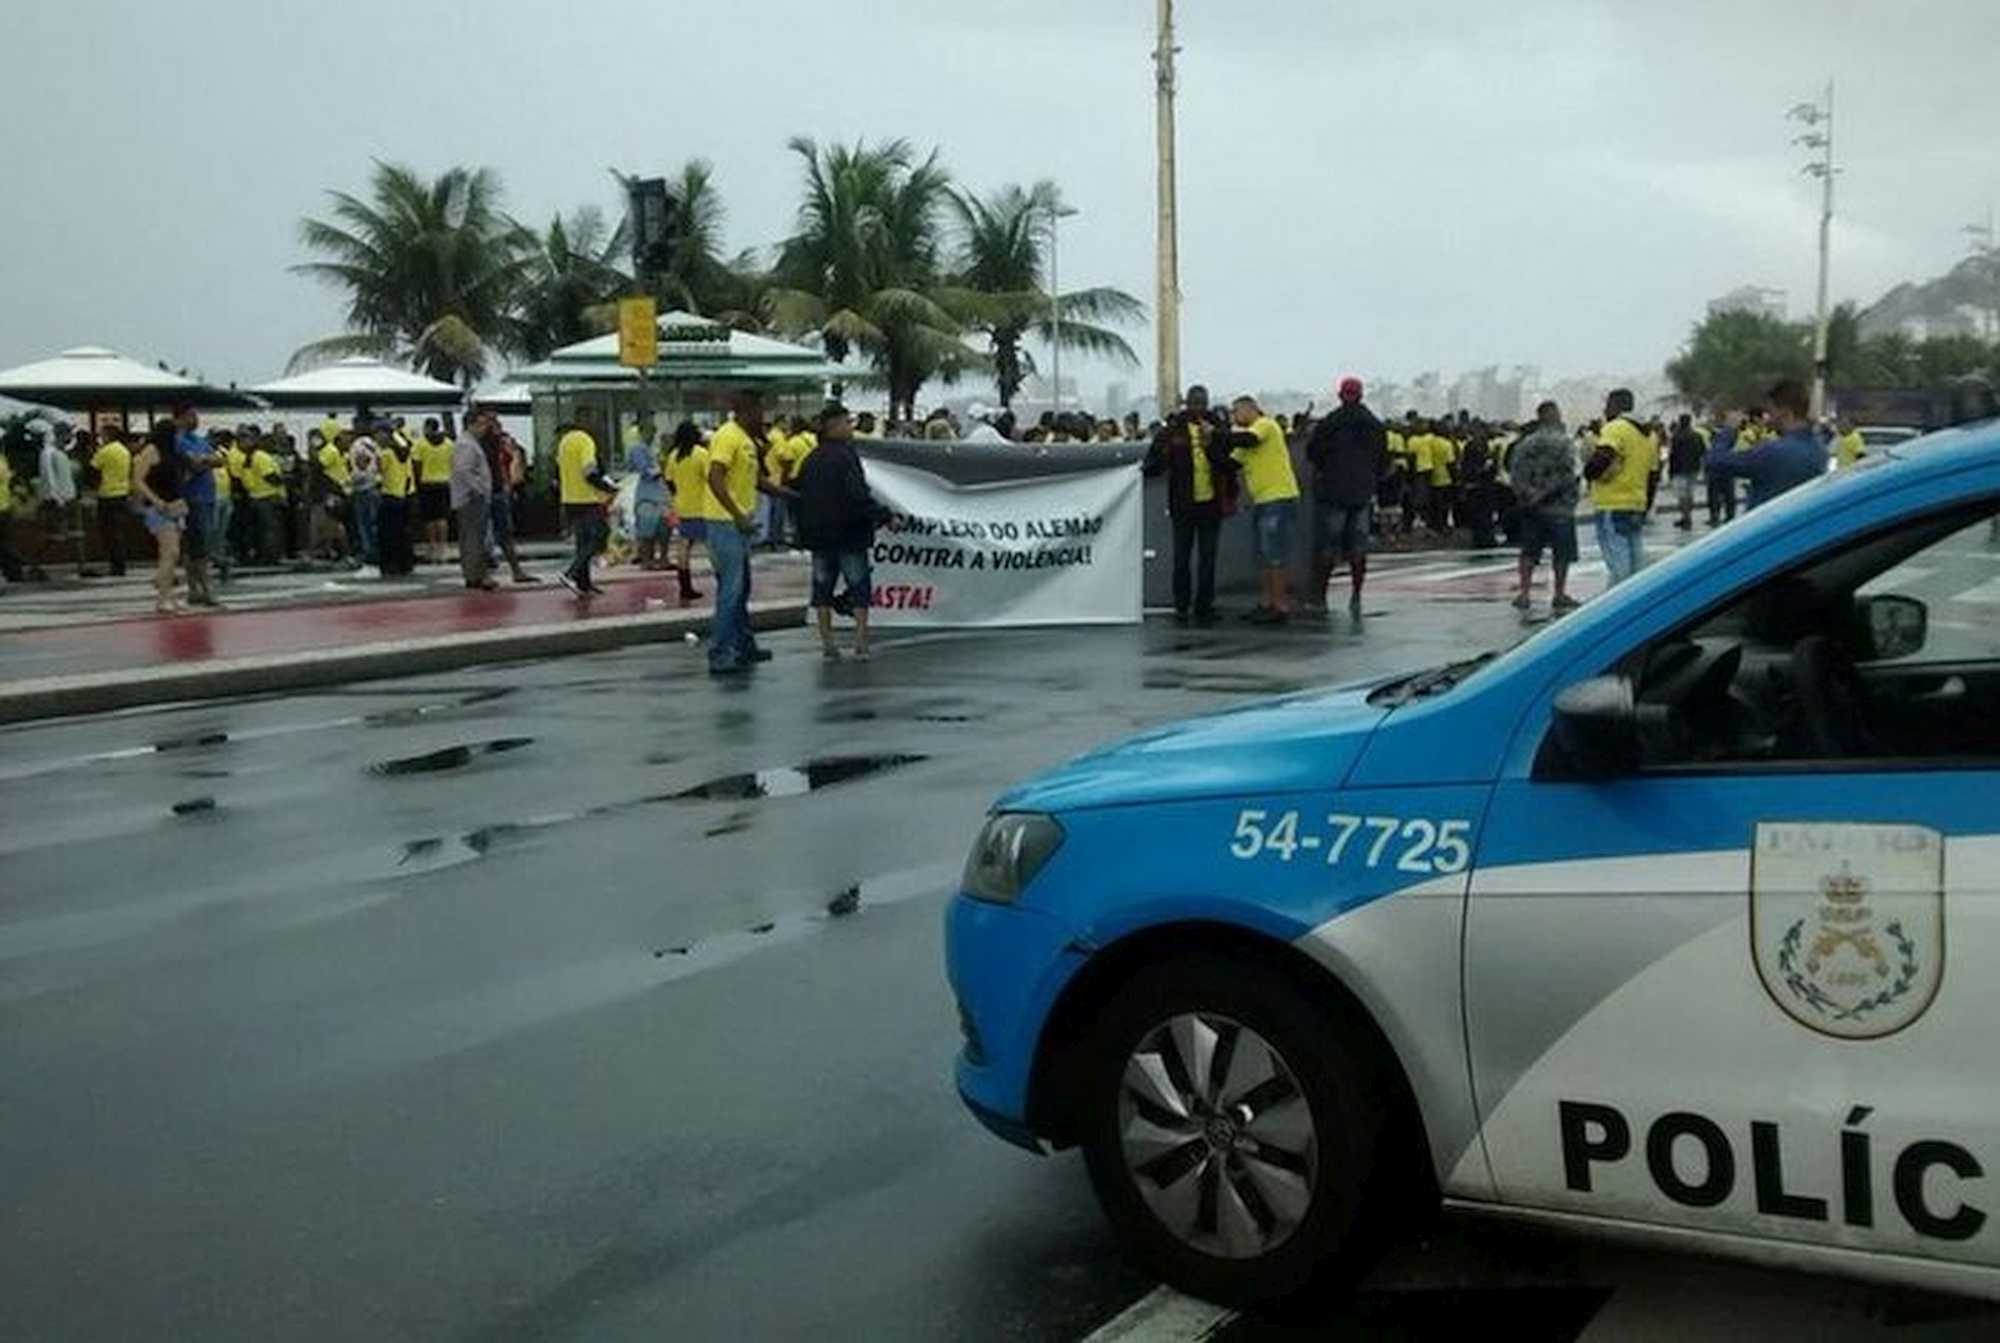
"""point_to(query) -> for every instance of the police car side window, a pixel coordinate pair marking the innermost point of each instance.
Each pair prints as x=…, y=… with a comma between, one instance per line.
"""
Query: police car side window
x=1885, y=654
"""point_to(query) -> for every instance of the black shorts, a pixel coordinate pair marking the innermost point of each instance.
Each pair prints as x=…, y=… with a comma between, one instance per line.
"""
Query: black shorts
x=435, y=501
x=1555, y=532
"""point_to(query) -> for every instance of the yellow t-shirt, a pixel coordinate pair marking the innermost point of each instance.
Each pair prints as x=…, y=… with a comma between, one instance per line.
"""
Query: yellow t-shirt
x=802, y=445
x=435, y=460
x=689, y=477
x=233, y=461
x=777, y=451
x=1267, y=467
x=395, y=472
x=1444, y=456
x=6, y=486
x=1849, y=448
x=260, y=479
x=1623, y=487
x=329, y=428
x=576, y=454
x=333, y=463
x=1418, y=447
x=113, y=464
x=1198, y=463
x=227, y=479
x=1398, y=446
x=733, y=450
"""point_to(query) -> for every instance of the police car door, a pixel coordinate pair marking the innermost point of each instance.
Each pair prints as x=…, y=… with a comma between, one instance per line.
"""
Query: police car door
x=1743, y=978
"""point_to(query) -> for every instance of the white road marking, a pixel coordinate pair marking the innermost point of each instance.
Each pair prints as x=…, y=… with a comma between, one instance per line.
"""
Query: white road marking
x=1164, y=1315
x=1986, y=594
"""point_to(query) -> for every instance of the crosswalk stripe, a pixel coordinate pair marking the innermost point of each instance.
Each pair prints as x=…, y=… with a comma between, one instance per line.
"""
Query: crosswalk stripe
x=1163, y=1315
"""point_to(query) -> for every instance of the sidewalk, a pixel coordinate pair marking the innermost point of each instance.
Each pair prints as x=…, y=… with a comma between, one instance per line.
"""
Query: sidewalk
x=69, y=647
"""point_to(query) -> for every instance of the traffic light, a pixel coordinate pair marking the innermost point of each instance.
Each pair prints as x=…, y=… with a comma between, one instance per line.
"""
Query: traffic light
x=652, y=221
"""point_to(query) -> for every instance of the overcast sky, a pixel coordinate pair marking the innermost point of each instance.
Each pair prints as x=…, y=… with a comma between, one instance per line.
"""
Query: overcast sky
x=1388, y=186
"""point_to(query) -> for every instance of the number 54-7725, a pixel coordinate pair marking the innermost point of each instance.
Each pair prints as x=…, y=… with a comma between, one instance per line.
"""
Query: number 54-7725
x=1415, y=844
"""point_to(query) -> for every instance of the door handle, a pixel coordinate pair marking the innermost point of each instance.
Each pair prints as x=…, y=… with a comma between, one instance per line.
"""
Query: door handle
x=1953, y=688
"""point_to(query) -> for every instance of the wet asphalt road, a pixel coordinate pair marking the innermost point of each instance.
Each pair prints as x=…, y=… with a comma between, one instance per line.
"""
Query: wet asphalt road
x=496, y=1006
x=441, y=1008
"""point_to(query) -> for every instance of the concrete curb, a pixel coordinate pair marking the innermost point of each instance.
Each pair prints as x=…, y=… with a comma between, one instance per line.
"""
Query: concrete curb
x=99, y=692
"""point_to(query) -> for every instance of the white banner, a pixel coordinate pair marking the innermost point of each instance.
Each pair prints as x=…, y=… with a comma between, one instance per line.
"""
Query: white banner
x=1047, y=550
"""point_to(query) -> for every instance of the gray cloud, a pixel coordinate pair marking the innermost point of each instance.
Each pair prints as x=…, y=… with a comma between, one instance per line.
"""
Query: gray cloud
x=1383, y=186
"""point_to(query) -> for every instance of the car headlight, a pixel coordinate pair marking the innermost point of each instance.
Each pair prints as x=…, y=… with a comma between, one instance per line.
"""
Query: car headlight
x=1012, y=847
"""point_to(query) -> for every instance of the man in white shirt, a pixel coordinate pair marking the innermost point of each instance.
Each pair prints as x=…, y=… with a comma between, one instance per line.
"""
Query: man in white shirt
x=56, y=478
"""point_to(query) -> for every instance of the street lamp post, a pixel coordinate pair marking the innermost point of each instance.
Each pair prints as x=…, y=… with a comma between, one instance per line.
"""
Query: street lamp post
x=1057, y=212
x=1818, y=119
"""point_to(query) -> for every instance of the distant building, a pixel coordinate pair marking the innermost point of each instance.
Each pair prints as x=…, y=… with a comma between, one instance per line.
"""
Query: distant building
x=1758, y=299
x=1117, y=400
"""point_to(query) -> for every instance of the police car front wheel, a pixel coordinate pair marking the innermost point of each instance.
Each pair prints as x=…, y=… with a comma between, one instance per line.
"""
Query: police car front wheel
x=1229, y=1128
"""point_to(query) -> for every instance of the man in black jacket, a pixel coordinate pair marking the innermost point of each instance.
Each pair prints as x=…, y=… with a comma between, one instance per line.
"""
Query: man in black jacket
x=1192, y=451
x=837, y=516
x=1349, y=452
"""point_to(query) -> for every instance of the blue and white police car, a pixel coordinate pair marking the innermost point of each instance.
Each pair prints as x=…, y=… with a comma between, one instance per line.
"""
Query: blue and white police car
x=1677, y=921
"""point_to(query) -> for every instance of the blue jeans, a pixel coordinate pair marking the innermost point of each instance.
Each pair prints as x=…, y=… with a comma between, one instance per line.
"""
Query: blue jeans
x=367, y=508
x=1619, y=538
x=590, y=528
x=218, y=521
x=1271, y=528
x=729, y=641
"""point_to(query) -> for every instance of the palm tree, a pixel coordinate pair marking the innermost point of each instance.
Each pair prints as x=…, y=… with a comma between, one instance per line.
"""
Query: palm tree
x=998, y=286
x=571, y=283
x=431, y=269
x=861, y=269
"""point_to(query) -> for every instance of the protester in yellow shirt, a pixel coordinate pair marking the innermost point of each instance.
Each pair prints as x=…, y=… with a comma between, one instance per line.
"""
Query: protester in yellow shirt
x=585, y=491
x=113, y=464
x=1624, y=457
x=687, y=477
x=11, y=568
x=733, y=482
x=1259, y=448
x=1848, y=445
x=395, y=555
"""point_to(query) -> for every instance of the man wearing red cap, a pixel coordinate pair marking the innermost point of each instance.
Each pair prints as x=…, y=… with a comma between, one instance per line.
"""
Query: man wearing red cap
x=1349, y=452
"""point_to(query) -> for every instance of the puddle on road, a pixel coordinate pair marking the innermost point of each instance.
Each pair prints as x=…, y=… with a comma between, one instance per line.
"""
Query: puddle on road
x=439, y=851
x=449, y=757
x=194, y=806
x=1217, y=683
x=794, y=781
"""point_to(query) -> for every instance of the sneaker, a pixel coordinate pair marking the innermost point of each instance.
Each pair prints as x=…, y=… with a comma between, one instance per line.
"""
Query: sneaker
x=368, y=571
x=1520, y=602
x=760, y=655
x=1564, y=603
x=830, y=654
x=524, y=578
x=571, y=584
x=863, y=655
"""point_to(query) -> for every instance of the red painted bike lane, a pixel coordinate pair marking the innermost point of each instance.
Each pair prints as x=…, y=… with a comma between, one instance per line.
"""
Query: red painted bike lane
x=187, y=639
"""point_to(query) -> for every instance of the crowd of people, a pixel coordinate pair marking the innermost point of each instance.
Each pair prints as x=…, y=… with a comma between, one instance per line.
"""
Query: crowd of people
x=372, y=494
x=364, y=493
x=1459, y=478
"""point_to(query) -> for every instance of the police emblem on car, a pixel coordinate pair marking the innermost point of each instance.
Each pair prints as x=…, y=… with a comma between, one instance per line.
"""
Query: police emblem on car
x=1847, y=923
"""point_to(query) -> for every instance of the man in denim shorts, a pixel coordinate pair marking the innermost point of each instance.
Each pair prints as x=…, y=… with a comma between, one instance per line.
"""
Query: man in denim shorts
x=836, y=522
x=1349, y=452
x=1259, y=447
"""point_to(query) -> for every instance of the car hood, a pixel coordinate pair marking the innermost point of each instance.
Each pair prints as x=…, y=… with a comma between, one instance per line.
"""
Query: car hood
x=1300, y=742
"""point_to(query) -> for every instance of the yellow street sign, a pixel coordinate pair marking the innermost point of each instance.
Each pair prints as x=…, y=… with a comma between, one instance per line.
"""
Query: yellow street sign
x=638, y=332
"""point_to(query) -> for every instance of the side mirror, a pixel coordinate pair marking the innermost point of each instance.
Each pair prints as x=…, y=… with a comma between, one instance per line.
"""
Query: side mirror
x=1896, y=625
x=1596, y=729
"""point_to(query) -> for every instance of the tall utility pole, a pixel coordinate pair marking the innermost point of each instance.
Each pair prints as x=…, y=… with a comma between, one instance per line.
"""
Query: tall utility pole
x=1167, y=288
x=1818, y=118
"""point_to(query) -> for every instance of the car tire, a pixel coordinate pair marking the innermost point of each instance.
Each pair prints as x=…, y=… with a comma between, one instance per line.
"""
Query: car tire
x=1194, y=1238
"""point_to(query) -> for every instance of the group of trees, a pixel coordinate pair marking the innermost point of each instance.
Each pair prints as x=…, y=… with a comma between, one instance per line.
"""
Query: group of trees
x=889, y=264
x=1733, y=358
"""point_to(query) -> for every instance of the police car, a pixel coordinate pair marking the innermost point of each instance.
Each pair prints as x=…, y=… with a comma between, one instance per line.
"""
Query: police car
x=1678, y=921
